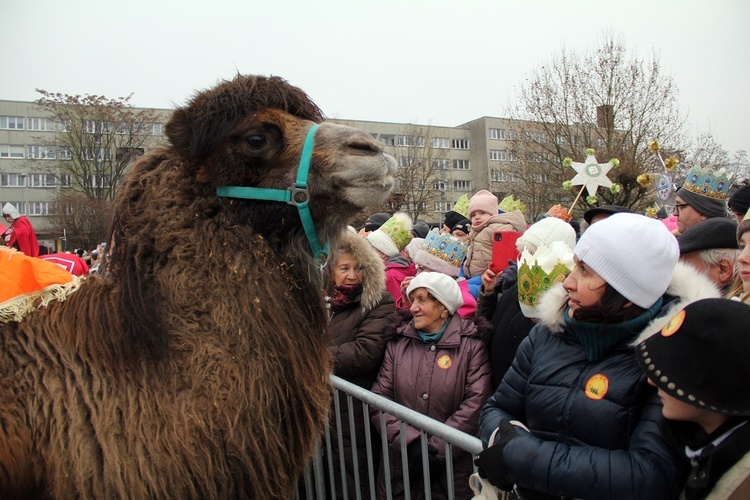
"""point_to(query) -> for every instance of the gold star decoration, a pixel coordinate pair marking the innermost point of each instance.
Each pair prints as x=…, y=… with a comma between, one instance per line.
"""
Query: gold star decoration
x=591, y=174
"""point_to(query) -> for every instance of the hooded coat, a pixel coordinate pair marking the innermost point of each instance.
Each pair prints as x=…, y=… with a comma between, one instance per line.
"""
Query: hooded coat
x=357, y=344
x=448, y=381
x=20, y=234
x=479, y=254
x=594, y=425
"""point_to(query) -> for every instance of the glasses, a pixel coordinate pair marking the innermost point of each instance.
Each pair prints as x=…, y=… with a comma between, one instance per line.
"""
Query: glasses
x=680, y=206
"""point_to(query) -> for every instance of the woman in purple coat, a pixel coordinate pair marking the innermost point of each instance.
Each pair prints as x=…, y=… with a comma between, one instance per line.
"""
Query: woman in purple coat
x=435, y=363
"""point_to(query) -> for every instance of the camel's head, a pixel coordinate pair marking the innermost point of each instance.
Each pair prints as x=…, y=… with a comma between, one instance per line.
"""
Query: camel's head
x=250, y=132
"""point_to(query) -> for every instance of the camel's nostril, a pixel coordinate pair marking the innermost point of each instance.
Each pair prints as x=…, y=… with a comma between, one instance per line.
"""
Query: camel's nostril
x=364, y=144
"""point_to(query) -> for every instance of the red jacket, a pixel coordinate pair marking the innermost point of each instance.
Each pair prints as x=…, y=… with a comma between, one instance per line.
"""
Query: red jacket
x=21, y=235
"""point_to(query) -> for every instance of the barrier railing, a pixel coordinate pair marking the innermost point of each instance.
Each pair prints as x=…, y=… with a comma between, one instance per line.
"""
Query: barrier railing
x=335, y=470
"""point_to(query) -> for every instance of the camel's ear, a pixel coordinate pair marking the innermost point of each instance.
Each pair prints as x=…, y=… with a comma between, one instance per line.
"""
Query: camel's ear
x=179, y=131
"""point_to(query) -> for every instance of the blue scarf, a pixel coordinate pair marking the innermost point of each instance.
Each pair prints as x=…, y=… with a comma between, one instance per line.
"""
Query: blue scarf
x=599, y=338
x=433, y=337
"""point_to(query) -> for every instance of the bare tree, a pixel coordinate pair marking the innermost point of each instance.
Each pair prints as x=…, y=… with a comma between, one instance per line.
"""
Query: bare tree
x=605, y=100
x=421, y=157
x=97, y=140
x=86, y=221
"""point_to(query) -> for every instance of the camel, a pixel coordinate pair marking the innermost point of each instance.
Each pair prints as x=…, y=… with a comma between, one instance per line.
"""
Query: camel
x=197, y=366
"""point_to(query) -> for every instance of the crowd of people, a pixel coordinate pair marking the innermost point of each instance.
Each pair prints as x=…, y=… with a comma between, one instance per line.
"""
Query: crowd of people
x=597, y=363
x=603, y=360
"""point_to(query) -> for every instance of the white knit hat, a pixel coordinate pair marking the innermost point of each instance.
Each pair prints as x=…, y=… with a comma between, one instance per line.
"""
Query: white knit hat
x=545, y=232
x=441, y=286
x=633, y=253
x=393, y=235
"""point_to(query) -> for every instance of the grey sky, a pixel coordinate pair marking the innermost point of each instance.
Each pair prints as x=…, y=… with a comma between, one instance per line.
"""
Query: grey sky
x=429, y=62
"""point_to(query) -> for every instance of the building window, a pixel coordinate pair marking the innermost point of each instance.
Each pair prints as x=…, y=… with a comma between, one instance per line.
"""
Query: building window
x=512, y=135
x=462, y=185
x=387, y=140
x=441, y=142
x=64, y=154
x=404, y=162
x=101, y=181
x=41, y=152
x=441, y=164
x=460, y=143
x=41, y=124
x=95, y=127
x=12, y=180
x=496, y=154
x=156, y=129
x=441, y=185
x=38, y=208
x=497, y=133
x=461, y=165
x=498, y=176
x=95, y=154
x=408, y=140
x=66, y=180
x=539, y=137
x=42, y=180
x=443, y=206
x=8, y=151
x=11, y=122
x=512, y=157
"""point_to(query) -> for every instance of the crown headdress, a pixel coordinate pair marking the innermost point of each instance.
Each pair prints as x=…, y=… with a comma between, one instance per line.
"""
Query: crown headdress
x=539, y=271
x=708, y=182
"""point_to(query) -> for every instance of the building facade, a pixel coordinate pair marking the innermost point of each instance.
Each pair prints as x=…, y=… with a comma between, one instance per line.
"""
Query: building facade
x=437, y=164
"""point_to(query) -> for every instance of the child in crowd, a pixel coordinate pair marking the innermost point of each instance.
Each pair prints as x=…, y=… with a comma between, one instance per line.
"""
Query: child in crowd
x=485, y=220
x=700, y=364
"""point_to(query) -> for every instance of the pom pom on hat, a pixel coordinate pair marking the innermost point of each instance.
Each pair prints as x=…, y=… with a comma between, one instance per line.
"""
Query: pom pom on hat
x=485, y=201
x=633, y=253
x=441, y=253
x=441, y=286
x=545, y=232
x=393, y=235
x=701, y=355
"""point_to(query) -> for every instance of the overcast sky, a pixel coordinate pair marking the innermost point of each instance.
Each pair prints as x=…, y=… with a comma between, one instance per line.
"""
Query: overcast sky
x=428, y=62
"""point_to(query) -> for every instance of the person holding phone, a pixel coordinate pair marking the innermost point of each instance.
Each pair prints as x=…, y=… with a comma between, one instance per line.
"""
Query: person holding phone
x=485, y=220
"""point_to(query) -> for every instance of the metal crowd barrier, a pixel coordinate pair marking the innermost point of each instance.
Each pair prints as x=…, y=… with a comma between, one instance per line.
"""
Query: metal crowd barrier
x=325, y=479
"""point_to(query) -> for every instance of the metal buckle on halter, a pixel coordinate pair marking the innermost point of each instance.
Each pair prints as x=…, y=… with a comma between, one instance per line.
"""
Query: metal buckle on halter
x=294, y=192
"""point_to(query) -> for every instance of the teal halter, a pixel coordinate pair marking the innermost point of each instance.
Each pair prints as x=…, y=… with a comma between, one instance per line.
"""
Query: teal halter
x=297, y=195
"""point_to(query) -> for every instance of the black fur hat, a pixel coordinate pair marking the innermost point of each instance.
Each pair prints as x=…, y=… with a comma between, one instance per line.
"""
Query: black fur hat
x=702, y=356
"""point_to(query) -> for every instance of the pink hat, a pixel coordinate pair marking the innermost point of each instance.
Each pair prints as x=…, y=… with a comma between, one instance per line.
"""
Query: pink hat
x=485, y=201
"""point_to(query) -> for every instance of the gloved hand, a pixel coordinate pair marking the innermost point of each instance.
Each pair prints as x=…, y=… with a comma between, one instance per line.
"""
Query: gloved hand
x=508, y=278
x=490, y=462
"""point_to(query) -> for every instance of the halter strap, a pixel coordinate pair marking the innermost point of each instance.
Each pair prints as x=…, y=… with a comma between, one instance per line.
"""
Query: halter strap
x=297, y=194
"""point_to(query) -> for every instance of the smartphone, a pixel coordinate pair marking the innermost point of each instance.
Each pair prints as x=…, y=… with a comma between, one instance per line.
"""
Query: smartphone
x=503, y=248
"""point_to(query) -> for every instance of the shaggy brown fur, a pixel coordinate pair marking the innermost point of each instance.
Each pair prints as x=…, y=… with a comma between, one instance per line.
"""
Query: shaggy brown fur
x=199, y=368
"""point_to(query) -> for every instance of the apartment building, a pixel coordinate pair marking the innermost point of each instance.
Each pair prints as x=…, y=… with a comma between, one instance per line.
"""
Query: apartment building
x=461, y=160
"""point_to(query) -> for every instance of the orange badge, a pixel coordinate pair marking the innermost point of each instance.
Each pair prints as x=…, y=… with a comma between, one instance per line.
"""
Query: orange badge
x=444, y=361
x=597, y=386
x=674, y=324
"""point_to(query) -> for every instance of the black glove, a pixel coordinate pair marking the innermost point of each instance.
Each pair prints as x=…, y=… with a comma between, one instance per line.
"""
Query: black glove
x=490, y=462
x=507, y=278
x=437, y=466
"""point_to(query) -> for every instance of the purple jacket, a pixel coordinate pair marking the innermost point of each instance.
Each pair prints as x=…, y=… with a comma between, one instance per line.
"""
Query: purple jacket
x=448, y=381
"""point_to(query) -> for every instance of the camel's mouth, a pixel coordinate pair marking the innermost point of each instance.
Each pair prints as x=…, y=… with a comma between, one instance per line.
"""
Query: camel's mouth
x=366, y=182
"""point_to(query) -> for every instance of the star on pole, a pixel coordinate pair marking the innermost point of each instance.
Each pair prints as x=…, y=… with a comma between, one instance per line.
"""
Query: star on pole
x=591, y=174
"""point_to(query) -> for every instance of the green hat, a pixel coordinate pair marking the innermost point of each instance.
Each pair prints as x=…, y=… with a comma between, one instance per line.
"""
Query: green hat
x=462, y=206
x=539, y=271
x=393, y=235
x=510, y=205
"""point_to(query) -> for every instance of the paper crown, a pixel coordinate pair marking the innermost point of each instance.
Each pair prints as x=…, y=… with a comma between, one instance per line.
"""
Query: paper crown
x=442, y=253
x=510, y=205
x=539, y=271
x=708, y=182
x=393, y=235
x=559, y=212
x=462, y=206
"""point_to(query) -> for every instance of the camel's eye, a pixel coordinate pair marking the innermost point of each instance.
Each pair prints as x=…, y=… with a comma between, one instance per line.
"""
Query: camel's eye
x=257, y=141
